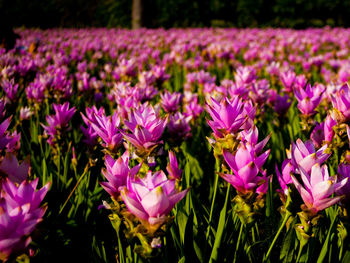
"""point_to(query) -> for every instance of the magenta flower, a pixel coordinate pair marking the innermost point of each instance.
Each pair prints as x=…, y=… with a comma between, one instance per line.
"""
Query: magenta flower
x=151, y=198
x=344, y=173
x=173, y=167
x=309, y=98
x=246, y=165
x=178, y=126
x=341, y=102
x=171, y=101
x=59, y=121
x=15, y=172
x=318, y=187
x=20, y=213
x=227, y=116
x=285, y=178
x=282, y=104
x=4, y=137
x=107, y=127
x=10, y=89
x=116, y=172
x=245, y=75
x=287, y=79
x=146, y=128
x=305, y=156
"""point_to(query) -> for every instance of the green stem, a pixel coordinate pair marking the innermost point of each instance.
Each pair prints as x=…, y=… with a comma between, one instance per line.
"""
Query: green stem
x=278, y=233
x=214, y=197
x=75, y=187
x=238, y=242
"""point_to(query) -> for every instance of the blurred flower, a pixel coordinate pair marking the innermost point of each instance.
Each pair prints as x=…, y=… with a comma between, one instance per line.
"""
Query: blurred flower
x=308, y=99
x=285, y=178
x=341, y=102
x=171, y=101
x=282, y=104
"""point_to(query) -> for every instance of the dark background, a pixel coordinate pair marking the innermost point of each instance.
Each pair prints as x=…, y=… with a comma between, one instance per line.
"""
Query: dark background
x=176, y=13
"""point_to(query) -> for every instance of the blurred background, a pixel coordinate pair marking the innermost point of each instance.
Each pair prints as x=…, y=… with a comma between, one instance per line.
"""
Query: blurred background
x=174, y=13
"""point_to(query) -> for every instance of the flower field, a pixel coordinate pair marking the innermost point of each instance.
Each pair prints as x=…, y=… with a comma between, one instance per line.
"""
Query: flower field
x=180, y=145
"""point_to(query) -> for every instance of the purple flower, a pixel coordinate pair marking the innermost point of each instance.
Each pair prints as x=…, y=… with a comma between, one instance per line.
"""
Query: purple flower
x=344, y=173
x=246, y=165
x=245, y=75
x=15, y=172
x=318, y=187
x=171, y=102
x=285, y=178
x=59, y=121
x=341, y=102
x=146, y=129
x=20, y=213
x=107, y=127
x=173, y=167
x=151, y=198
x=287, y=79
x=282, y=104
x=116, y=172
x=25, y=113
x=178, y=126
x=309, y=99
x=227, y=116
x=10, y=89
x=305, y=156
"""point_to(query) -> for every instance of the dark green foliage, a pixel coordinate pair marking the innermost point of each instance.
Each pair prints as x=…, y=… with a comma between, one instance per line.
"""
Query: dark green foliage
x=176, y=13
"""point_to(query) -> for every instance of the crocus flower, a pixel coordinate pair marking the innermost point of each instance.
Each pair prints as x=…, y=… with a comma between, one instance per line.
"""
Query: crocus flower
x=4, y=137
x=107, y=127
x=245, y=164
x=245, y=75
x=305, y=156
x=341, y=102
x=146, y=129
x=287, y=79
x=285, y=178
x=344, y=173
x=308, y=99
x=282, y=104
x=10, y=90
x=226, y=116
x=20, y=213
x=318, y=187
x=171, y=101
x=151, y=198
x=116, y=172
x=11, y=168
x=178, y=126
x=59, y=121
x=173, y=167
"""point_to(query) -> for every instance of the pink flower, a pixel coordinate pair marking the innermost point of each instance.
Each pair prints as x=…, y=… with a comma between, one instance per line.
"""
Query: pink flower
x=116, y=173
x=285, y=178
x=318, y=187
x=20, y=213
x=173, y=167
x=15, y=172
x=305, y=156
x=309, y=98
x=341, y=101
x=151, y=198
x=246, y=165
x=171, y=101
x=227, y=116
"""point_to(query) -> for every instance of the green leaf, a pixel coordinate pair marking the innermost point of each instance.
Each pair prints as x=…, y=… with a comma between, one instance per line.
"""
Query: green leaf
x=324, y=249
